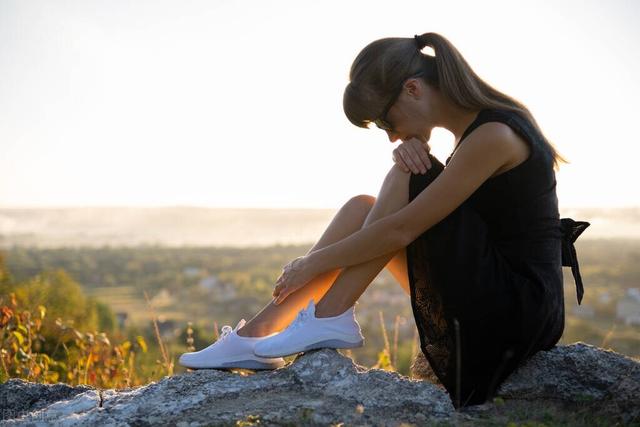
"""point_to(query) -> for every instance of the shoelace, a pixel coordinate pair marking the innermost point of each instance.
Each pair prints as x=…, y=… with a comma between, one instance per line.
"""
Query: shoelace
x=226, y=331
x=300, y=319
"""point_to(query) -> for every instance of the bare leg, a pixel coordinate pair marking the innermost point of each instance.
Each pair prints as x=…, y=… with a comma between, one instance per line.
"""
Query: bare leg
x=353, y=281
x=349, y=219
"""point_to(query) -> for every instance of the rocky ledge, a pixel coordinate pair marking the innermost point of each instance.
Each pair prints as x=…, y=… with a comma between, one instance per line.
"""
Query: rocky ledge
x=576, y=384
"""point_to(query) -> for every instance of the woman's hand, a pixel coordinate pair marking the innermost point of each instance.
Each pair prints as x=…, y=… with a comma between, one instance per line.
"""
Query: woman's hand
x=294, y=275
x=413, y=155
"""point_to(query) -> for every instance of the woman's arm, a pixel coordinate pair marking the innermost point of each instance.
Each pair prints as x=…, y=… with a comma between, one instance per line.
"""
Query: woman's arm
x=481, y=155
x=484, y=152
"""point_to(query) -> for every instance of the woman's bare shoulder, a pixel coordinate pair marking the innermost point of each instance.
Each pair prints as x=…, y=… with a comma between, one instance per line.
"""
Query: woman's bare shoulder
x=517, y=147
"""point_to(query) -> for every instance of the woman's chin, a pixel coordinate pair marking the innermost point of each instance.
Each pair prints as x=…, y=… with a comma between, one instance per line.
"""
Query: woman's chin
x=425, y=136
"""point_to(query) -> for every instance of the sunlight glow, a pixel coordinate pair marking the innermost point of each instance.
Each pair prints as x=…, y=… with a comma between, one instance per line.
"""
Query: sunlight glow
x=239, y=104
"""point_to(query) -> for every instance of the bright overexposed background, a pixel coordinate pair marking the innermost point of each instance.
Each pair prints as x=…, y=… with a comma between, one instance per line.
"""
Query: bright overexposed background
x=239, y=103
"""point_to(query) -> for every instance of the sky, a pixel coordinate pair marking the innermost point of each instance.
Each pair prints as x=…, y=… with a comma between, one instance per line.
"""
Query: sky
x=225, y=103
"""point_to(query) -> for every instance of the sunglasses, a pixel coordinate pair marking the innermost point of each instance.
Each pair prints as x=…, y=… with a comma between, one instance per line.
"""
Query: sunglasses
x=381, y=122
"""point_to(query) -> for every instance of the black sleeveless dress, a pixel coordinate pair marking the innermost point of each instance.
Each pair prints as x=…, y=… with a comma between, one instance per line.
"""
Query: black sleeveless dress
x=486, y=282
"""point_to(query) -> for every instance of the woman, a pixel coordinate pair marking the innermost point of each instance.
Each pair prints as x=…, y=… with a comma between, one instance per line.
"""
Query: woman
x=478, y=245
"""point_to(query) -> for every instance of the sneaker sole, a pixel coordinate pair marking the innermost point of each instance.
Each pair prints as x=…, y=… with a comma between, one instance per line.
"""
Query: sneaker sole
x=332, y=343
x=251, y=364
x=244, y=364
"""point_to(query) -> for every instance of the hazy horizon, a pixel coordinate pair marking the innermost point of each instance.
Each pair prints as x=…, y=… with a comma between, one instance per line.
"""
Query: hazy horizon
x=240, y=227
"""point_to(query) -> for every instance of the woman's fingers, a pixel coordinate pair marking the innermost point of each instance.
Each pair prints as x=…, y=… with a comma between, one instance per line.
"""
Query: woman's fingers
x=295, y=275
x=418, y=157
x=412, y=155
x=423, y=154
x=280, y=295
x=420, y=152
x=409, y=161
x=405, y=159
x=413, y=159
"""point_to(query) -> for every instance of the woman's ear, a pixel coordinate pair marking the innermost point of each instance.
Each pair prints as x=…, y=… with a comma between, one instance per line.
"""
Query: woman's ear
x=415, y=87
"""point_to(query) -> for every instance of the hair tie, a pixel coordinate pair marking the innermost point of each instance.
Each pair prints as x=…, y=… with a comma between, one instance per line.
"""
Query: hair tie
x=418, y=41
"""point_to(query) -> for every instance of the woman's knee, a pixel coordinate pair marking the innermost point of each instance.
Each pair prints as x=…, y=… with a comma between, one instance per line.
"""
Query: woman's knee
x=356, y=210
x=396, y=177
x=362, y=202
x=396, y=171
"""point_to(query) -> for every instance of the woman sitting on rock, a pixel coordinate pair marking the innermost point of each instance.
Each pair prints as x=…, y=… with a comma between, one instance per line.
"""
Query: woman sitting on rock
x=478, y=245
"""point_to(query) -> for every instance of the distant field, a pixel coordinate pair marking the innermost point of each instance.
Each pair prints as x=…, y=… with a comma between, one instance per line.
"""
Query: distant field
x=123, y=299
x=130, y=300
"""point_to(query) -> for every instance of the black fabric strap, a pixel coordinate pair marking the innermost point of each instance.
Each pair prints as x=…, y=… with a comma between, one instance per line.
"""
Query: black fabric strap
x=570, y=231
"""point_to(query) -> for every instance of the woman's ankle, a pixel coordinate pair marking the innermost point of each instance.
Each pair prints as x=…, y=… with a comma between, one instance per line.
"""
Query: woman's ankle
x=325, y=311
x=251, y=331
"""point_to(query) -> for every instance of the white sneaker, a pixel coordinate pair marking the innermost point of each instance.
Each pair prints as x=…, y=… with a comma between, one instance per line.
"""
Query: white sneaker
x=308, y=332
x=230, y=351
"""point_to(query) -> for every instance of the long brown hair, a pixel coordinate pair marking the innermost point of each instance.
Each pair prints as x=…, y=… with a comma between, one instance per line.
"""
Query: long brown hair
x=383, y=65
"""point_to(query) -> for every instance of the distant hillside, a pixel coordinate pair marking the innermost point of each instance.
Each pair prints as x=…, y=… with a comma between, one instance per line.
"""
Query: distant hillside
x=194, y=226
x=170, y=226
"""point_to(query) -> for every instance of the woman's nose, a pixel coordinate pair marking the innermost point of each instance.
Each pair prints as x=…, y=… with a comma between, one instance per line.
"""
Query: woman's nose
x=392, y=136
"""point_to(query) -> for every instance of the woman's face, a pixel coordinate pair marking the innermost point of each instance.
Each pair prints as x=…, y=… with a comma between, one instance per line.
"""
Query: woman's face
x=413, y=113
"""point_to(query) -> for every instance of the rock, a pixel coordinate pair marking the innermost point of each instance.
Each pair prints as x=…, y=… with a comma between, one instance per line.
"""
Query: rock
x=323, y=387
x=421, y=369
x=18, y=397
x=580, y=376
